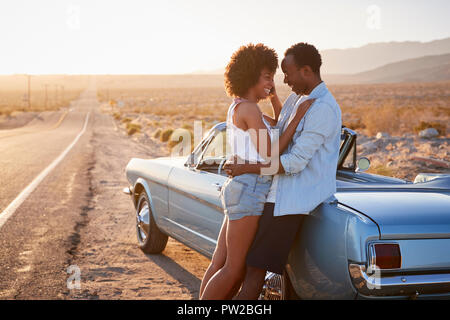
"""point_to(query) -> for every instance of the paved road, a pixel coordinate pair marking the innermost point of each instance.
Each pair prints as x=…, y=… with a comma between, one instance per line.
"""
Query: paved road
x=25, y=152
x=75, y=217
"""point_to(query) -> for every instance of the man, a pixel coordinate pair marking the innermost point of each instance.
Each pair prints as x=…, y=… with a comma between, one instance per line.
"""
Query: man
x=306, y=173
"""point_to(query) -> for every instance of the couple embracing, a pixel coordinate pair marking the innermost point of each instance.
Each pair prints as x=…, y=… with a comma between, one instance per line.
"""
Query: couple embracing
x=281, y=169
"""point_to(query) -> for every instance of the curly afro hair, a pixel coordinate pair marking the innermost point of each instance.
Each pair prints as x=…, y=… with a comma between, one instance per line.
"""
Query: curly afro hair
x=305, y=55
x=244, y=69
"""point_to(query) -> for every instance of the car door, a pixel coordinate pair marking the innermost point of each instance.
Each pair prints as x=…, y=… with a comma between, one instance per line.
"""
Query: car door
x=195, y=209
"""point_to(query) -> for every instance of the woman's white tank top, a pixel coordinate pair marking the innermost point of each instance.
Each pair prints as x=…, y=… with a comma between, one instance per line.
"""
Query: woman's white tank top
x=240, y=141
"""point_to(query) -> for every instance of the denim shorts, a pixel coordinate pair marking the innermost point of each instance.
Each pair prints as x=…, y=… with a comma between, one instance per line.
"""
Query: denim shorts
x=245, y=195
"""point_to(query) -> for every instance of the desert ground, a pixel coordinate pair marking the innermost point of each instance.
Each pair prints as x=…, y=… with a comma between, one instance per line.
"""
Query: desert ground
x=78, y=218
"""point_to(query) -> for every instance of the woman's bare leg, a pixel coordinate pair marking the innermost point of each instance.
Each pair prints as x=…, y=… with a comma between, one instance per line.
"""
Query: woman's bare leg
x=239, y=237
x=253, y=283
x=219, y=256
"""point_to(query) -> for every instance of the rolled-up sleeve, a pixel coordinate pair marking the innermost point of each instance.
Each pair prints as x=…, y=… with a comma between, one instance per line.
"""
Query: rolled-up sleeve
x=319, y=123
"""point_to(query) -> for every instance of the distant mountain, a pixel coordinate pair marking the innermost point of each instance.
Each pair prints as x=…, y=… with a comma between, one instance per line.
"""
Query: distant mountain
x=371, y=56
x=423, y=69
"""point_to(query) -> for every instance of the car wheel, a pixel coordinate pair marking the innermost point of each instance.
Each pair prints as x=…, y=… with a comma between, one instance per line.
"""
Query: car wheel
x=150, y=238
x=289, y=291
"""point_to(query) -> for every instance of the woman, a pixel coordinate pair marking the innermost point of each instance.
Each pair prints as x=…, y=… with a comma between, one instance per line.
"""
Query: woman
x=249, y=79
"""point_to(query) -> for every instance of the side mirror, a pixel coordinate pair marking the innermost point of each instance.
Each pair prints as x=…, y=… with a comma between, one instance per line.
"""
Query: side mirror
x=363, y=164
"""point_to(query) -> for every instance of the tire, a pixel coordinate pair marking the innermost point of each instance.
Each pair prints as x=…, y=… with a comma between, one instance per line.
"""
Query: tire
x=150, y=239
x=288, y=290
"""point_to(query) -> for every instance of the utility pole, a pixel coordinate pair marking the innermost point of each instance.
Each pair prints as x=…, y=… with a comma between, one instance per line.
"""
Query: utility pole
x=56, y=94
x=29, y=91
x=46, y=95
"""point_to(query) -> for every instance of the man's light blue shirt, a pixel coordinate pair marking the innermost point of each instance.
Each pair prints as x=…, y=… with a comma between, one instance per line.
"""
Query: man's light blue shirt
x=310, y=161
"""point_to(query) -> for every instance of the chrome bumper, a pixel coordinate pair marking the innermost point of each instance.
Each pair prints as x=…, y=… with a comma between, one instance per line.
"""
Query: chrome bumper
x=398, y=285
x=127, y=191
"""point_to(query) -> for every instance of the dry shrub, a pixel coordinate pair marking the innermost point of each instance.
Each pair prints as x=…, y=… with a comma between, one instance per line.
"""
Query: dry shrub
x=117, y=115
x=6, y=112
x=177, y=137
x=440, y=127
x=187, y=126
x=165, y=135
x=157, y=133
x=355, y=124
x=381, y=170
x=133, y=128
x=384, y=118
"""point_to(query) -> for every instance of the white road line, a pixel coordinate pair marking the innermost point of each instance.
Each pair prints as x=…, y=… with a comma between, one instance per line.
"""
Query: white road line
x=12, y=207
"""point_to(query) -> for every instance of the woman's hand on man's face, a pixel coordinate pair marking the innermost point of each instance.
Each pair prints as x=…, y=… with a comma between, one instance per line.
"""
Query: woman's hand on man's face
x=273, y=92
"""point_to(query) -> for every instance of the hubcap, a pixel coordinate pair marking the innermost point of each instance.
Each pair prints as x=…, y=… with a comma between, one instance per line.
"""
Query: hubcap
x=274, y=287
x=143, y=222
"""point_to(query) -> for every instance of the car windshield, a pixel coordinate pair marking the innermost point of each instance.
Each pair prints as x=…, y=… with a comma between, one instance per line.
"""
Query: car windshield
x=218, y=148
x=347, y=157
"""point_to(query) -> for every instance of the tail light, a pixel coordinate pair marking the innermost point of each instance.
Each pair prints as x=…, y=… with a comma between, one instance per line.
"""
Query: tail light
x=385, y=256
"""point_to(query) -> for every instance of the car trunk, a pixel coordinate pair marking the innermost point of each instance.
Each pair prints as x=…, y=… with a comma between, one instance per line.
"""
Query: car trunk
x=403, y=214
x=418, y=221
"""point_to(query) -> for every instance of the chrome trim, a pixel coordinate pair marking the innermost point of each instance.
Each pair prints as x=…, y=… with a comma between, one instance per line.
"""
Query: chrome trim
x=186, y=194
x=127, y=191
x=372, y=257
x=192, y=231
x=155, y=182
x=398, y=285
x=143, y=222
x=273, y=288
x=202, y=201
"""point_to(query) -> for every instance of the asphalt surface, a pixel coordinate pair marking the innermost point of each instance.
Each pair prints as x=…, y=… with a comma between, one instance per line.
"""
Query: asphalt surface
x=73, y=235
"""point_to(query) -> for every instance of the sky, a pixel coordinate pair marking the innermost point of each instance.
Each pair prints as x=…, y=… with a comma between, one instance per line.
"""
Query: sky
x=183, y=36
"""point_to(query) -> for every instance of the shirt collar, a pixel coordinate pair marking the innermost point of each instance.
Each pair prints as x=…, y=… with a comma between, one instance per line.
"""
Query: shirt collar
x=318, y=91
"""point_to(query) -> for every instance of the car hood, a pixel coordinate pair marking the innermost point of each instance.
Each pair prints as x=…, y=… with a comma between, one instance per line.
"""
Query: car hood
x=403, y=214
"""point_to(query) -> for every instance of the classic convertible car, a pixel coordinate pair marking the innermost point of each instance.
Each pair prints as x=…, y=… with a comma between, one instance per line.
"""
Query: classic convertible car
x=376, y=238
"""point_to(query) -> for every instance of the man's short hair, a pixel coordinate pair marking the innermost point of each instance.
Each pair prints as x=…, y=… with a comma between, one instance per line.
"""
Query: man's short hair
x=305, y=55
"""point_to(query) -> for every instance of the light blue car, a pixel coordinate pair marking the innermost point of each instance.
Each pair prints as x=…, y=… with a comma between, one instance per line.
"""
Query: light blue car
x=378, y=238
